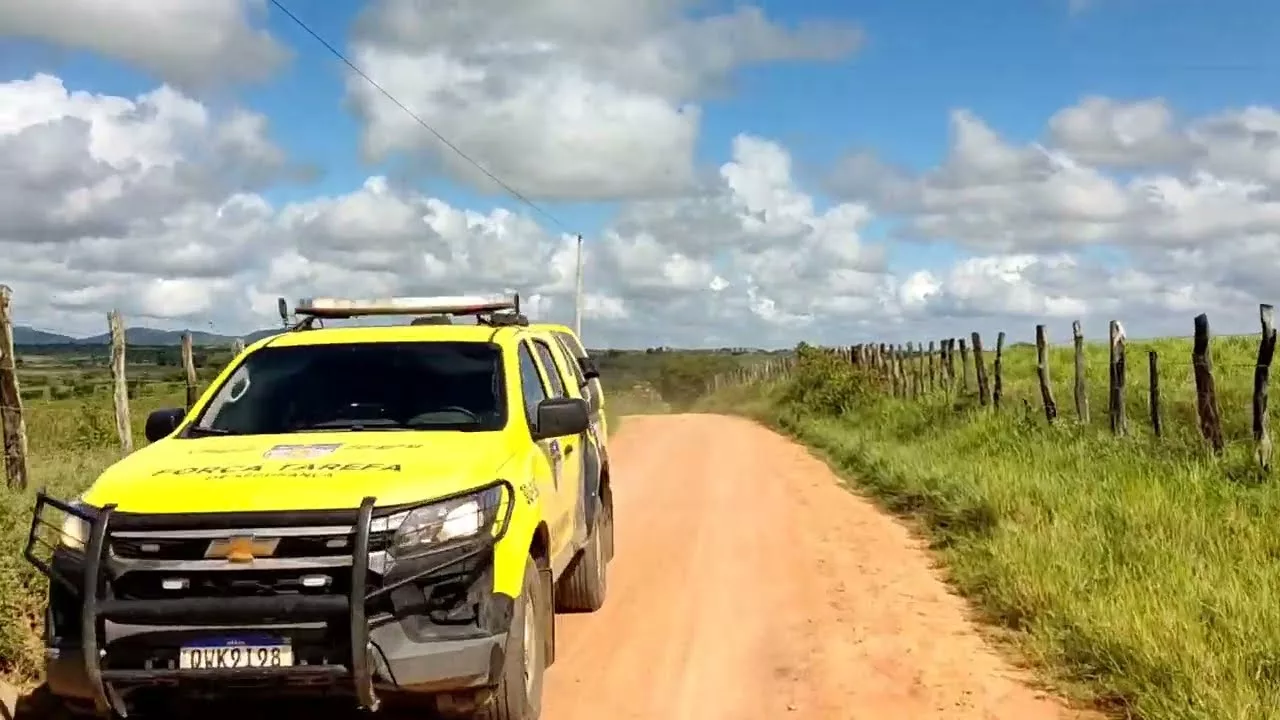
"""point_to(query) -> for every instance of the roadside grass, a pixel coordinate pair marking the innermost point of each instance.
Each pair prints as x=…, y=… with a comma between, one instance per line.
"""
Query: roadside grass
x=71, y=442
x=1139, y=573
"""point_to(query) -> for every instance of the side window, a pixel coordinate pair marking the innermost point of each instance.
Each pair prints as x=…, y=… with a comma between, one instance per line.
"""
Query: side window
x=572, y=362
x=592, y=391
x=530, y=384
x=571, y=344
x=555, y=373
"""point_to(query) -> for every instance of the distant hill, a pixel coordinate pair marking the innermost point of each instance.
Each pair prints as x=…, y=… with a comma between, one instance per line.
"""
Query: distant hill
x=25, y=336
x=30, y=336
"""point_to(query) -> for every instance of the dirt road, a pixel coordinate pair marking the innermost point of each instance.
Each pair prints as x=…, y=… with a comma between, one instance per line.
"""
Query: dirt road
x=747, y=584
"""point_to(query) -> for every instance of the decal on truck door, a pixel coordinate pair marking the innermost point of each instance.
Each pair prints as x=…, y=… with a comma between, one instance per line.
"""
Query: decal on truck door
x=557, y=461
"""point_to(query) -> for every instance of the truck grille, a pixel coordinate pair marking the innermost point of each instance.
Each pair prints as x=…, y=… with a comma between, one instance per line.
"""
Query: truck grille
x=150, y=585
x=306, y=546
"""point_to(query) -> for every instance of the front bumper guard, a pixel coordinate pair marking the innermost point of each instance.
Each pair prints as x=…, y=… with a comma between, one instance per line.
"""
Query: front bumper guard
x=98, y=604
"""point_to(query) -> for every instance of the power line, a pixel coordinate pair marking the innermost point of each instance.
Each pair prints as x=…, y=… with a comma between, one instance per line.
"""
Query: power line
x=356, y=69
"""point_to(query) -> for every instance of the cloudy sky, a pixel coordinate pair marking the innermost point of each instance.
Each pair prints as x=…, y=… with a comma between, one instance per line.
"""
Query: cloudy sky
x=743, y=174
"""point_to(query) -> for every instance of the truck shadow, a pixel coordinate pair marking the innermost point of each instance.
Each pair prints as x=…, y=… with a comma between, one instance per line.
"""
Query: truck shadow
x=39, y=704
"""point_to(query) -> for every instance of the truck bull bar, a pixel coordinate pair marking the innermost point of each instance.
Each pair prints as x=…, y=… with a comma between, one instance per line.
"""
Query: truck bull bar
x=98, y=603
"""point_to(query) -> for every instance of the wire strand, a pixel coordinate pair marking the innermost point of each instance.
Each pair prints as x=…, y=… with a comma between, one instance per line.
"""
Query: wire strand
x=356, y=69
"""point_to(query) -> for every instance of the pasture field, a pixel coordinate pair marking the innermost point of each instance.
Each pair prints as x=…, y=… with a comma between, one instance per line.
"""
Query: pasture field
x=1139, y=572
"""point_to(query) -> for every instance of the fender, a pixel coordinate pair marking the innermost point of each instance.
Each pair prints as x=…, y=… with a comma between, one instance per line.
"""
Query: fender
x=511, y=553
x=592, y=465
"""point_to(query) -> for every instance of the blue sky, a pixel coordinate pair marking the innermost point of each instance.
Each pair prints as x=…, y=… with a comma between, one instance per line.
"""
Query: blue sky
x=1013, y=63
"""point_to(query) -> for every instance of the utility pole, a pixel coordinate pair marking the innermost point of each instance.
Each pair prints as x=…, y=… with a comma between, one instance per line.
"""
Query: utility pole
x=577, y=303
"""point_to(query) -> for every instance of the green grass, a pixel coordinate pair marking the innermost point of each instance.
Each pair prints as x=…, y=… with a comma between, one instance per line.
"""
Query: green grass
x=1138, y=571
x=71, y=441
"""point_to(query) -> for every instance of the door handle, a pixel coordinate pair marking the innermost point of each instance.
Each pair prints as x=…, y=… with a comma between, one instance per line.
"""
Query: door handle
x=568, y=450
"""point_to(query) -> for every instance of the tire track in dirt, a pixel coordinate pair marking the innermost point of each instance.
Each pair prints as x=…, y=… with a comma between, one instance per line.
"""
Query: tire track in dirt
x=749, y=585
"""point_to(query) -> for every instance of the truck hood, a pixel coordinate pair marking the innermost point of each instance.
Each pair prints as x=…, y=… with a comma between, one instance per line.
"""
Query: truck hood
x=312, y=471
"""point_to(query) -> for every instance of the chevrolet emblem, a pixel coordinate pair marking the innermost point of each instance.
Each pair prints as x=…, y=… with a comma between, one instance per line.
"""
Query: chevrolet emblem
x=241, y=548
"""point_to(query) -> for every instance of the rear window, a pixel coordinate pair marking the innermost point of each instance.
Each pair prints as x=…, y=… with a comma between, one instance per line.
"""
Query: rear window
x=361, y=386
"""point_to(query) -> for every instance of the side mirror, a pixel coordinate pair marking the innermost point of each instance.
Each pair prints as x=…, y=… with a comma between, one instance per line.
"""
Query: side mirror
x=589, y=369
x=558, y=417
x=162, y=423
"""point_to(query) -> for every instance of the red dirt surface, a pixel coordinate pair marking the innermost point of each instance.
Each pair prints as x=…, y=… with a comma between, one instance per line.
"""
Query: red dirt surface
x=749, y=585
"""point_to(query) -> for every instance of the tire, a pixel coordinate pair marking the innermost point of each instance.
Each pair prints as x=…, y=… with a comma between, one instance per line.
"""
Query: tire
x=518, y=697
x=608, y=527
x=583, y=587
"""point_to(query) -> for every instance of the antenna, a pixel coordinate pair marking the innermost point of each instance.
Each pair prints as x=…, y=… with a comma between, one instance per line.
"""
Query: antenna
x=282, y=307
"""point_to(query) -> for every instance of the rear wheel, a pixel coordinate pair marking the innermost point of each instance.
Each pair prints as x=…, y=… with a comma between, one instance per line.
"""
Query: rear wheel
x=519, y=692
x=608, y=524
x=584, y=585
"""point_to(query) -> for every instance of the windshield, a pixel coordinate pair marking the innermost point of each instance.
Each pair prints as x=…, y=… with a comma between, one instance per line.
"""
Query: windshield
x=360, y=387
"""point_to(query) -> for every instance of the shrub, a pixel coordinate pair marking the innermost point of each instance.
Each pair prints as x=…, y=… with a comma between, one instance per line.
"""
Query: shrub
x=825, y=383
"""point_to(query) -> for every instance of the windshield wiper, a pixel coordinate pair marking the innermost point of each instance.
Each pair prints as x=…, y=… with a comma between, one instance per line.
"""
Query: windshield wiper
x=354, y=425
x=211, y=431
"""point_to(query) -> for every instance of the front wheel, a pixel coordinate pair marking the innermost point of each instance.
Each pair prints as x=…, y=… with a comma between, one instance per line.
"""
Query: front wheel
x=584, y=585
x=519, y=692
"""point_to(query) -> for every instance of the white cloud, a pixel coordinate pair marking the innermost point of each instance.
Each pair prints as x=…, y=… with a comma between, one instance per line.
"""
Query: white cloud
x=155, y=205
x=188, y=42
x=582, y=99
x=135, y=210
x=1185, y=212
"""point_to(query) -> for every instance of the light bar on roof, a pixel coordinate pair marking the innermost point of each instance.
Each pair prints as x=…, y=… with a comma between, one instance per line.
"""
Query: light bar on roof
x=332, y=307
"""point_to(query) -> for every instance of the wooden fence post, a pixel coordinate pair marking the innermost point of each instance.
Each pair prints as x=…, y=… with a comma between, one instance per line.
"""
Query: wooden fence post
x=1206, y=392
x=904, y=370
x=951, y=363
x=933, y=372
x=891, y=370
x=944, y=358
x=1115, y=394
x=1261, y=379
x=919, y=368
x=189, y=366
x=1042, y=372
x=900, y=366
x=997, y=392
x=1153, y=383
x=124, y=428
x=964, y=363
x=1082, y=396
x=980, y=370
x=913, y=384
x=13, y=426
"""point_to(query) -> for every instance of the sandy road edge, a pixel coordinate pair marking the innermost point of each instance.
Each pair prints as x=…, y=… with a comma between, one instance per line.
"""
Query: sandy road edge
x=1003, y=641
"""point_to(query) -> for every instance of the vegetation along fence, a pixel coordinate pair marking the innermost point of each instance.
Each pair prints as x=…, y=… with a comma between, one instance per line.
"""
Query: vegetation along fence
x=966, y=372
x=14, y=420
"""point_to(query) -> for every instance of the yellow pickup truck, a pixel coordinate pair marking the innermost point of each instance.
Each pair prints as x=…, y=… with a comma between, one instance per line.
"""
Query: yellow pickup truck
x=392, y=514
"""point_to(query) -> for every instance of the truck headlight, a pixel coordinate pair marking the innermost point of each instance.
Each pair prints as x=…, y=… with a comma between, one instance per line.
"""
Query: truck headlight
x=421, y=528
x=75, y=530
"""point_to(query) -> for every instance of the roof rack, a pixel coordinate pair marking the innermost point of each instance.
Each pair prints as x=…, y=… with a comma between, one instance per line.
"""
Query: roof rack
x=486, y=308
x=502, y=319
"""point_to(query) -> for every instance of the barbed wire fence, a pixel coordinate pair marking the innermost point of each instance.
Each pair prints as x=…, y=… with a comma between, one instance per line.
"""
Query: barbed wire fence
x=958, y=368
x=15, y=418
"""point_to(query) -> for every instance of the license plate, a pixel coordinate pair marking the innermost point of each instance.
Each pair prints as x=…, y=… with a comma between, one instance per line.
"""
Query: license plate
x=234, y=656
